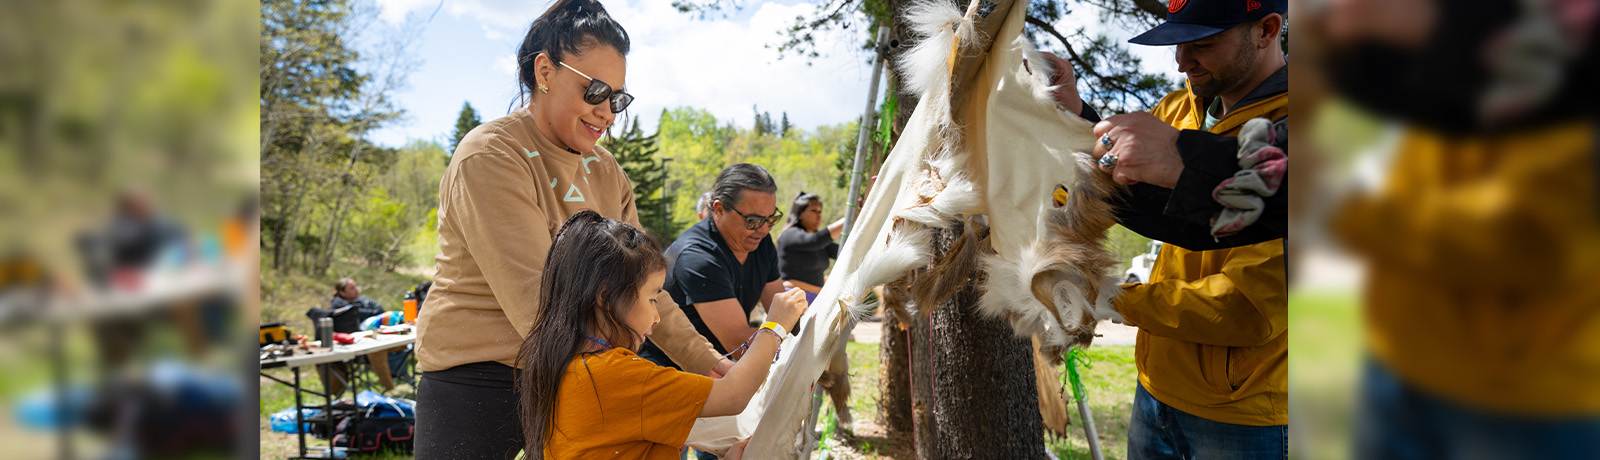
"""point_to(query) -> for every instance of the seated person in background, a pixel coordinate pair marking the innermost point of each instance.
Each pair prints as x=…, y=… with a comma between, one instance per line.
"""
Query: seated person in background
x=138, y=239
x=348, y=308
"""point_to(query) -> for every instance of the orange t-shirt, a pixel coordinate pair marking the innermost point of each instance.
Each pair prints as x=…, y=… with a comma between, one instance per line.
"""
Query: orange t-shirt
x=617, y=405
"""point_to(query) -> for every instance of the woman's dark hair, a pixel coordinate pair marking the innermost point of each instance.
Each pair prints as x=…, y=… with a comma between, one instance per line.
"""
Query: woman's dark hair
x=801, y=202
x=568, y=27
x=734, y=180
x=591, y=280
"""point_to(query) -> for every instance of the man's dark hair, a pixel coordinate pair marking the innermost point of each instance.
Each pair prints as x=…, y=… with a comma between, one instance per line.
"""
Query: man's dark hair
x=735, y=179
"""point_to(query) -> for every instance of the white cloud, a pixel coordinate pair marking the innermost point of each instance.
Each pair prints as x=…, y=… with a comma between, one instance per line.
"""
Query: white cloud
x=506, y=64
x=500, y=18
x=724, y=66
x=395, y=11
x=498, y=36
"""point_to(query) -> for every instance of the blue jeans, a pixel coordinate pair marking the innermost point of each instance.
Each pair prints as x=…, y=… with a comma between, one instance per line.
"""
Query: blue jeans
x=1159, y=431
x=1398, y=421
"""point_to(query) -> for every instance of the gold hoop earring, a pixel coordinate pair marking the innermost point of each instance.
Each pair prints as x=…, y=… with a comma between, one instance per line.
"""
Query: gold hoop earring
x=543, y=88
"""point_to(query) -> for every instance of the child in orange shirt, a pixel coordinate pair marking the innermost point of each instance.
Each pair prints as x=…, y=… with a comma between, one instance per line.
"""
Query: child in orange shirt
x=585, y=394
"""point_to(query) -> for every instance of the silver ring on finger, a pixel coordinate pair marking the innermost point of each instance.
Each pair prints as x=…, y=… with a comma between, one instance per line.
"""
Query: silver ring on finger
x=1109, y=161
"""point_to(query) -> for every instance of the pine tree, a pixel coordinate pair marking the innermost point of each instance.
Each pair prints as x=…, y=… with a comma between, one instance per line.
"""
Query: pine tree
x=464, y=124
x=783, y=129
x=763, y=124
x=636, y=153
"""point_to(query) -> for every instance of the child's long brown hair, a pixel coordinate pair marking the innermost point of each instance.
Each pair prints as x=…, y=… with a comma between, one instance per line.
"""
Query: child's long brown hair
x=591, y=281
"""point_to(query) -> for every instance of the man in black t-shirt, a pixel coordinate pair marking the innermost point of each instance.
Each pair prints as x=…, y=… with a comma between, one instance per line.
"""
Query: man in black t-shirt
x=721, y=267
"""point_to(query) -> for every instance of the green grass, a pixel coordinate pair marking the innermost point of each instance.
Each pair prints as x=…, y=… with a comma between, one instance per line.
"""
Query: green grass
x=1108, y=381
x=864, y=361
x=1326, y=352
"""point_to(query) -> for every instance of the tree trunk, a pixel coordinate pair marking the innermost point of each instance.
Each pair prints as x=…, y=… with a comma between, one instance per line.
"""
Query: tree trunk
x=289, y=226
x=978, y=399
x=920, y=379
x=331, y=242
x=290, y=220
x=894, y=401
x=326, y=259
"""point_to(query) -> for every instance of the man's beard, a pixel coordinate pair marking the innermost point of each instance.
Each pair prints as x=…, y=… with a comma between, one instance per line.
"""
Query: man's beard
x=1231, y=76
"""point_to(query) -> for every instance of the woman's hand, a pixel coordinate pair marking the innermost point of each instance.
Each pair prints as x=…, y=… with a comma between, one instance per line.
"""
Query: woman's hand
x=737, y=451
x=787, y=308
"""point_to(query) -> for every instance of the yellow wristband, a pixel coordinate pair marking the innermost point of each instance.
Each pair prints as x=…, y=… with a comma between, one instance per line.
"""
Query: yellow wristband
x=778, y=328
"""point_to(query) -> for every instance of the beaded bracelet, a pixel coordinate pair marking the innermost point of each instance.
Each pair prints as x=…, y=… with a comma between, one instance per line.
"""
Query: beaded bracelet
x=746, y=345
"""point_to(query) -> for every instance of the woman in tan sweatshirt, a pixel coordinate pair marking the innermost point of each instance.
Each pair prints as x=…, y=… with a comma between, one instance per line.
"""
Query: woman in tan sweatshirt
x=510, y=184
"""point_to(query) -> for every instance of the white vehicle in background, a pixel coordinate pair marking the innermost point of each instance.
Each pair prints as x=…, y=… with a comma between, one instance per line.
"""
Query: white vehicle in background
x=1139, y=270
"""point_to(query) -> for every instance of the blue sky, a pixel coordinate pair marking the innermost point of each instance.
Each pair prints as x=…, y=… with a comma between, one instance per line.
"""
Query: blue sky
x=466, y=52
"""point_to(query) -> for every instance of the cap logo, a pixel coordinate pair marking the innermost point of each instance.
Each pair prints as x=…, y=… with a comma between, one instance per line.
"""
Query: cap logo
x=1174, y=5
x=1252, y=5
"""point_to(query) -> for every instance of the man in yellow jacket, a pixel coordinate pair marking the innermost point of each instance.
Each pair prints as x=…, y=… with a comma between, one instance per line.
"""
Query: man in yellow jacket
x=1212, y=348
x=1481, y=314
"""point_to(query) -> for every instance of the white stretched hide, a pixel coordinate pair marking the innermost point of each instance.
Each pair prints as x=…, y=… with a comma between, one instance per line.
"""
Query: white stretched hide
x=1023, y=148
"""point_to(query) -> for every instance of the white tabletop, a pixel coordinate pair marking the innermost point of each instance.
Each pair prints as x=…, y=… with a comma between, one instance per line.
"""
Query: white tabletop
x=339, y=353
x=159, y=289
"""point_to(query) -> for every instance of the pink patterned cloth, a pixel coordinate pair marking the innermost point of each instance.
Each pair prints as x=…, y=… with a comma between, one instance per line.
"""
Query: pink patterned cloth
x=1243, y=196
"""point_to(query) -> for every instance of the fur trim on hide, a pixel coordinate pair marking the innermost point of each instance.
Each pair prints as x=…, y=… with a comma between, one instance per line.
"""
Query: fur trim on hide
x=907, y=249
x=1064, y=282
x=1040, y=70
x=958, y=268
x=926, y=65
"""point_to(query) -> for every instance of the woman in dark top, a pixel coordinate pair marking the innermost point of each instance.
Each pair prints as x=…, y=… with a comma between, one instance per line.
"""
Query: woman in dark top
x=803, y=248
x=803, y=253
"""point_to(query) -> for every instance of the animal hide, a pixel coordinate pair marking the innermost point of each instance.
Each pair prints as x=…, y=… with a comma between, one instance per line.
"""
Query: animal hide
x=1047, y=271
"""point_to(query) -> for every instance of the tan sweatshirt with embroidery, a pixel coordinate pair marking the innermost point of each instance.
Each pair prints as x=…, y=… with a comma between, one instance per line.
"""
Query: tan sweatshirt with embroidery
x=506, y=193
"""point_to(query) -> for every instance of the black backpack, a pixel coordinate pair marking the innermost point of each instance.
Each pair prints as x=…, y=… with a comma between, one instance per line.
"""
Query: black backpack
x=421, y=293
x=376, y=433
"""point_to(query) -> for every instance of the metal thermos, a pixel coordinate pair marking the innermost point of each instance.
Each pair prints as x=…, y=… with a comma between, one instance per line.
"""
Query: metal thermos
x=325, y=332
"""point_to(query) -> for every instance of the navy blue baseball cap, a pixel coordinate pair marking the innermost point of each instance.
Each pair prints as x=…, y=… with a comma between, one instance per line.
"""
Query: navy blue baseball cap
x=1190, y=20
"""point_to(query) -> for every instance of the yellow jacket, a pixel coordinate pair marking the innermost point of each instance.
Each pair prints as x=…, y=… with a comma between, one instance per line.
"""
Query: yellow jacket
x=1213, y=325
x=1482, y=282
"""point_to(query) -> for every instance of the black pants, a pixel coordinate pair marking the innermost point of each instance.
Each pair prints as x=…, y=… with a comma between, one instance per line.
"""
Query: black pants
x=468, y=411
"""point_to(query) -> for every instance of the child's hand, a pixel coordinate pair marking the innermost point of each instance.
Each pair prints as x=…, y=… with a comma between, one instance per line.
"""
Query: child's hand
x=787, y=308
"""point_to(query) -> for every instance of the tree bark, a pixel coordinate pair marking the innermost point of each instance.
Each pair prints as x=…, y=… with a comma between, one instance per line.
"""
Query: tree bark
x=979, y=400
x=894, y=390
x=920, y=378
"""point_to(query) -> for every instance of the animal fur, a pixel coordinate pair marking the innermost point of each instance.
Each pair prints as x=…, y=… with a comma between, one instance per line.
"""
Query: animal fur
x=1043, y=268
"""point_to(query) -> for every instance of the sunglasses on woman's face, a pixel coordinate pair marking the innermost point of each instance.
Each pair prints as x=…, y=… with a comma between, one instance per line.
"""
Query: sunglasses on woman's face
x=599, y=92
